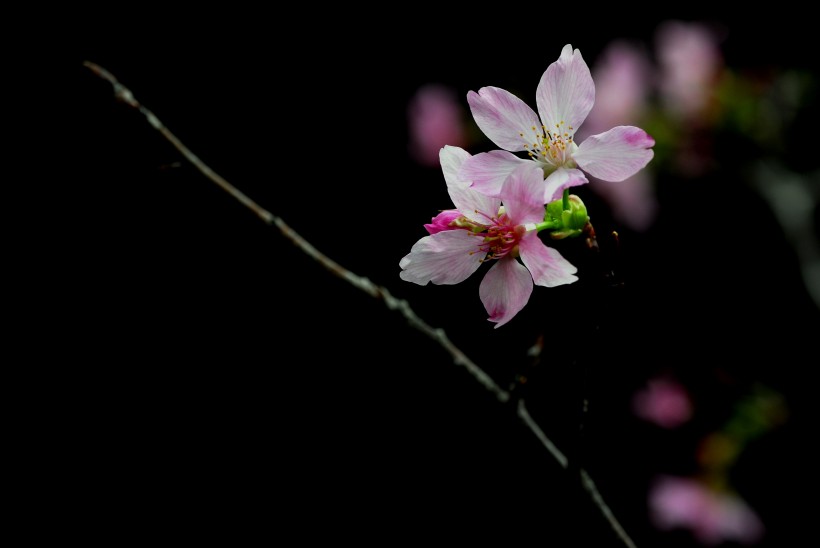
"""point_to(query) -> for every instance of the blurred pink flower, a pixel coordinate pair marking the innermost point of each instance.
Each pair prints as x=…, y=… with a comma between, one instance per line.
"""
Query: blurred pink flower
x=690, y=62
x=623, y=76
x=623, y=80
x=690, y=65
x=712, y=516
x=435, y=119
x=664, y=402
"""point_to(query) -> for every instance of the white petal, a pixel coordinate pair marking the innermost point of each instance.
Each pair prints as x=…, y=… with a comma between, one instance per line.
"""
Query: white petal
x=523, y=194
x=507, y=120
x=548, y=267
x=566, y=92
x=560, y=179
x=488, y=171
x=615, y=154
x=444, y=258
x=467, y=200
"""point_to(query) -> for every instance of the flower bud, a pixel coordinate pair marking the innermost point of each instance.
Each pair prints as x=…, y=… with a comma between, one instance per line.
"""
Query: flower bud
x=570, y=222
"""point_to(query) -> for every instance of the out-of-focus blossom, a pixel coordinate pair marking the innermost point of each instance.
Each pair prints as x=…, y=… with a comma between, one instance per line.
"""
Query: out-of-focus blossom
x=712, y=516
x=484, y=230
x=690, y=63
x=435, y=119
x=664, y=402
x=623, y=81
x=564, y=97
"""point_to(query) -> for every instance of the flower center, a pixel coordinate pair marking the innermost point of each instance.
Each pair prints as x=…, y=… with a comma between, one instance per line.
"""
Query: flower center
x=500, y=237
x=550, y=146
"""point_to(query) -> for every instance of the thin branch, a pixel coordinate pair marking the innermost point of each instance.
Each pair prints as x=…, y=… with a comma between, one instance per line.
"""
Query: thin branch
x=123, y=94
x=586, y=479
x=524, y=415
x=590, y=487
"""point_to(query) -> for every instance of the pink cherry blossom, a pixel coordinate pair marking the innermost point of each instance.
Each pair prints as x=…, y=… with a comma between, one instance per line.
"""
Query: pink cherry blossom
x=501, y=229
x=712, y=516
x=564, y=97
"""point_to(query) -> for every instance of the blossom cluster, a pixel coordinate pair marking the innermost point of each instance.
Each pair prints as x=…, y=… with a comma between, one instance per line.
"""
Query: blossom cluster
x=504, y=198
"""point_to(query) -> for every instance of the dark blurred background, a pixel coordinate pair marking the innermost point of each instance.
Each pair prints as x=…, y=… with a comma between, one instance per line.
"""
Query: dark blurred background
x=224, y=385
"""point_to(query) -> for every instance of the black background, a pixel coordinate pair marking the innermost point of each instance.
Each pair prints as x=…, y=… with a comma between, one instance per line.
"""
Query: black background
x=222, y=385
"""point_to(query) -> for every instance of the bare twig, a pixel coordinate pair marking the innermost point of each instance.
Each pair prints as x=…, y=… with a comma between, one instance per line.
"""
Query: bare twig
x=586, y=479
x=123, y=94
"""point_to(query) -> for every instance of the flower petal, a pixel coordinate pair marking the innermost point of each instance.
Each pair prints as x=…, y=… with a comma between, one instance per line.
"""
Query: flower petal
x=467, y=200
x=442, y=221
x=523, y=194
x=507, y=120
x=615, y=154
x=489, y=170
x=444, y=258
x=560, y=179
x=546, y=265
x=451, y=159
x=505, y=290
x=566, y=92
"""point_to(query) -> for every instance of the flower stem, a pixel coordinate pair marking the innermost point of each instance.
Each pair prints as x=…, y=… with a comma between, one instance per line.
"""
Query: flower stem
x=547, y=225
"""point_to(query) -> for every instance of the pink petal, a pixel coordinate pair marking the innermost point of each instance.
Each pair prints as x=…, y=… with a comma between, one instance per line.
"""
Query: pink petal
x=503, y=117
x=466, y=199
x=489, y=170
x=442, y=221
x=523, y=194
x=615, y=154
x=444, y=258
x=546, y=265
x=560, y=179
x=566, y=92
x=505, y=290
